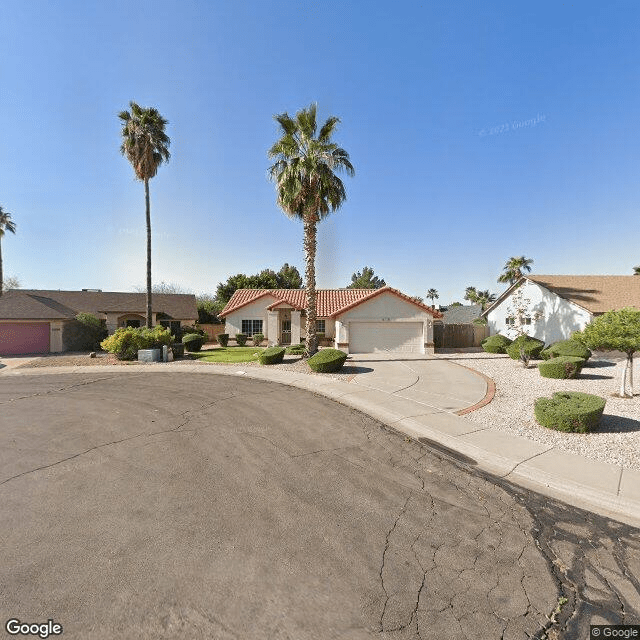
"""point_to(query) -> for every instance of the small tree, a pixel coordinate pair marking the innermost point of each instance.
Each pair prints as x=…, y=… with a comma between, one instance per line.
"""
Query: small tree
x=11, y=283
x=521, y=315
x=615, y=331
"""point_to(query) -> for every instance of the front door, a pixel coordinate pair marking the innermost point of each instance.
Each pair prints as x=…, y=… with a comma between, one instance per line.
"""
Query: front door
x=286, y=332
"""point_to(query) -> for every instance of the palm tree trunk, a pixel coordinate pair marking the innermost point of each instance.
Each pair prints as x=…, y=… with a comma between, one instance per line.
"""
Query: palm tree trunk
x=148, y=207
x=310, y=244
x=0, y=270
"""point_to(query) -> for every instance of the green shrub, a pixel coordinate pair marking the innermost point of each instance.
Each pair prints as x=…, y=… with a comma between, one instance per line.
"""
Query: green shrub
x=562, y=367
x=223, y=339
x=295, y=349
x=257, y=339
x=193, y=341
x=531, y=346
x=241, y=339
x=126, y=341
x=186, y=330
x=84, y=333
x=327, y=360
x=496, y=344
x=566, y=348
x=272, y=355
x=178, y=350
x=570, y=411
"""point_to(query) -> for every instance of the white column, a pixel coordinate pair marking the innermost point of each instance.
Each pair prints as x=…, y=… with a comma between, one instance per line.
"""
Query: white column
x=295, y=327
x=272, y=328
x=428, y=337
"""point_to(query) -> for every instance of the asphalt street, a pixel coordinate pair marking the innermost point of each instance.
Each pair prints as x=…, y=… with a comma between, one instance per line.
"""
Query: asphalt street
x=189, y=506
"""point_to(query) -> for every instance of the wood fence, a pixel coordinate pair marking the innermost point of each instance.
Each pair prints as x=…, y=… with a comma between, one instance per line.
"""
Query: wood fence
x=212, y=330
x=452, y=336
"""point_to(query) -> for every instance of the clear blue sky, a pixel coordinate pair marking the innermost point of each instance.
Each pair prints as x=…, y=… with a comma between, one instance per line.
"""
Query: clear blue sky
x=443, y=192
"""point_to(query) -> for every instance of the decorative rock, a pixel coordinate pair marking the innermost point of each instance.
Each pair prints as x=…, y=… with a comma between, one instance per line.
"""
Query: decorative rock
x=92, y=354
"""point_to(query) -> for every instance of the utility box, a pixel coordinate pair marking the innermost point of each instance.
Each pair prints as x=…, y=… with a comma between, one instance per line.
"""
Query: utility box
x=149, y=355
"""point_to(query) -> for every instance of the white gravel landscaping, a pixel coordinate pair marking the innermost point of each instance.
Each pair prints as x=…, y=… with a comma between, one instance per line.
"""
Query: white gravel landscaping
x=617, y=440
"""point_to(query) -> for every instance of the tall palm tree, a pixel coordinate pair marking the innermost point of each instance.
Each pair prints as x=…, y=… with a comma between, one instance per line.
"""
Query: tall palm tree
x=307, y=186
x=513, y=269
x=432, y=294
x=146, y=146
x=6, y=224
x=483, y=298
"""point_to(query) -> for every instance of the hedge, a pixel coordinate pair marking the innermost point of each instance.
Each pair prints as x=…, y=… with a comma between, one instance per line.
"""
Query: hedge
x=532, y=347
x=496, y=344
x=223, y=339
x=570, y=411
x=126, y=341
x=327, y=360
x=257, y=339
x=295, y=349
x=272, y=355
x=193, y=341
x=566, y=348
x=562, y=367
x=241, y=339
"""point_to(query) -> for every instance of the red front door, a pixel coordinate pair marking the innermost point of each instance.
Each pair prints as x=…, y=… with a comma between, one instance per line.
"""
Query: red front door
x=22, y=338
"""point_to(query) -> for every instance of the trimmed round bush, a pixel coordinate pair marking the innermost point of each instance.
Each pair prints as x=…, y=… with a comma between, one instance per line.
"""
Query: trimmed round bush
x=562, y=367
x=532, y=347
x=566, y=348
x=496, y=344
x=295, y=349
x=241, y=339
x=257, y=339
x=570, y=411
x=272, y=355
x=327, y=360
x=193, y=341
x=223, y=339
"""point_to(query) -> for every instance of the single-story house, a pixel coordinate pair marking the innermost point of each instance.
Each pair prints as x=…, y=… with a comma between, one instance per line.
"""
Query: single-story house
x=462, y=314
x=354, y=320
x=40, y=321
x=562, y=304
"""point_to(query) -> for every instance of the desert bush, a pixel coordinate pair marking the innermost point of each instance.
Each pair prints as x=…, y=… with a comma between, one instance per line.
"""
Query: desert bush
x=84, y=333
x=272, y=355
x=570, y=411
x=566, y=348
x=295, y=349
x=223, y=339
x=257, y=339
x=193, y=341
x=530, y=346
x=126, y=341
x=496, y=344
x=562, y=367
x=241, y=339
x=327, y=360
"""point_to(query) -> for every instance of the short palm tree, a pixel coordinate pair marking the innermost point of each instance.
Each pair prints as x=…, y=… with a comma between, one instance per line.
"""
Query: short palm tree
x=471, y=294
x=307, y=186
x=483, y=298
x=432, y=294
x=513, y=269
x=6, y=224
x=146, y=146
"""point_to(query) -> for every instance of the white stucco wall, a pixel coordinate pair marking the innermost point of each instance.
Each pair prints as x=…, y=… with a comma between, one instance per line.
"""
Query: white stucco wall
x=253, y=311
x=386, y=307
x=558, y=320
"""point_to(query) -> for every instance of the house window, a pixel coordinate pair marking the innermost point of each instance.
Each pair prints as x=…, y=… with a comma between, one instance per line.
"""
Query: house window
x=251, y=326
x=320, y=326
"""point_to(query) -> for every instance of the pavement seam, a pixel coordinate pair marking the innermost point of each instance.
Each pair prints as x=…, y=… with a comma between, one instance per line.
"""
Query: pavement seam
x=526, y=460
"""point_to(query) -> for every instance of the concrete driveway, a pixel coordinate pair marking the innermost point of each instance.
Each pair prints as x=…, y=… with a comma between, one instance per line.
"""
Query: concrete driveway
x=187, y=505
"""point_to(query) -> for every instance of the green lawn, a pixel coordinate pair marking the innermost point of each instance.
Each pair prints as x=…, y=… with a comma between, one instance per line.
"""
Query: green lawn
x=229, y=354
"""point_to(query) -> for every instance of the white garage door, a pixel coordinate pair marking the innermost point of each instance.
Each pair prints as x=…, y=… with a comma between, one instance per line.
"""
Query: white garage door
x=398, y=337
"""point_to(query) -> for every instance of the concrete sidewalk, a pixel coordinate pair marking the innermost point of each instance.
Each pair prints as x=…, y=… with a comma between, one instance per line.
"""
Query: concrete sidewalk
x=422, y=398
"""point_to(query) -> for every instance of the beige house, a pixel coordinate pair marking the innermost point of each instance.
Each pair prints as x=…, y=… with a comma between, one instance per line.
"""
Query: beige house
x=40, y=321
x=354, y=320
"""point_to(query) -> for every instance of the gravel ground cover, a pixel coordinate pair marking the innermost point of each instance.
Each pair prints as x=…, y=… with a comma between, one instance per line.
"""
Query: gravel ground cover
x=617, y=439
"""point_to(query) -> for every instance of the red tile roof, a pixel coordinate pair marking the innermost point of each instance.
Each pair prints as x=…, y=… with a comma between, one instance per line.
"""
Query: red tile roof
x=329, y=302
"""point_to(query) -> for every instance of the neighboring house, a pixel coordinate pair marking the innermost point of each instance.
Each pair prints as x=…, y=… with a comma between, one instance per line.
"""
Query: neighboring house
x=464, y=314
x=354, y=320
x=39, y=321
x=564, y=304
